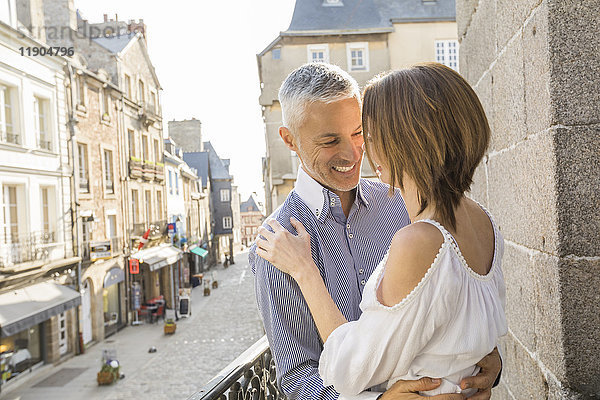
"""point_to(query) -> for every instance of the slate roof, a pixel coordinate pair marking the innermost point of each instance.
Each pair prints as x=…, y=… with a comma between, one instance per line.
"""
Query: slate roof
x=199, y=161
x=218, y=168
x=249, y=205
x=416, y=10
x=364, y=16
x=312, y=15
x=115, y=44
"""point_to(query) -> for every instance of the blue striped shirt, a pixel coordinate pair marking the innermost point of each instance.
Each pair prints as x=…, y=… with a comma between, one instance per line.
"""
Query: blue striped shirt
x=346, y=250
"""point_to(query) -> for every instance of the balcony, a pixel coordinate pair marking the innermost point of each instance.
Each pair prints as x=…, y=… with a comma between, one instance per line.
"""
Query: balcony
x=159, y=172
x=147, y=115
x=148, y=170
x=250, y=376
x=84, y=185
x=44, y=144
x=9, y=137
x=29, y=247
x=136, y=169
x=157, y=229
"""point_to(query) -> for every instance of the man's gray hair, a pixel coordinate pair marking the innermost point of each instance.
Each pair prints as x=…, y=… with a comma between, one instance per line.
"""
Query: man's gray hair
x=311, y=83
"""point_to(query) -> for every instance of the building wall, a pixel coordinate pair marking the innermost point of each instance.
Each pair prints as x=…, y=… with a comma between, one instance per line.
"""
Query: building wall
x=406, y=51
x=536, y=68
x=187, y=134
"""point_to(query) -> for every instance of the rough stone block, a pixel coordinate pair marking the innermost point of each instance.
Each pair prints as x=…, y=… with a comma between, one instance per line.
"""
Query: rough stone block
x=522, y=193
x=508, y=98
x=501, y=392
x=547, y=322
x=464, y=13
x=485, y=94
x=479, y=186
x=538, y=104
x=520, y=294
x=510, y=16
x=478, y=47
x=580, y=299
x=521, y=373
x=578, y=185
x=575, y=60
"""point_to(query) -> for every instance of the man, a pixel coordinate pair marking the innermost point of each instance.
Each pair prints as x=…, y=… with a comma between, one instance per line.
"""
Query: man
x=351, y=223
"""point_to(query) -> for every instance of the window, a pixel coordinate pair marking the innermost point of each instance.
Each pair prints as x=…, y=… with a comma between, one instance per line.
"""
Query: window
x=224, y=194
x=318, y=53
x=134, y=206
x=170, y=182
x=148, y=206
x=446, y=52
x=84, y=181
x=80, y=92
x=111, y=228
x=332, y=3
x=127, y=84
x=45, y=211
x=227, y=223
x=86, y=232
x=40, y=112
x=145, y=150
x=358, y=56
x=159, y=208
x=105, y=102
x=109, y=183
x=11, y=214
x=7, y=116
x=157, y=155
x=141, y=93
x=132, y=147
x=7, y=12
x=276, y=53
x=62, y=333
x=176, y=183
x=153, y=103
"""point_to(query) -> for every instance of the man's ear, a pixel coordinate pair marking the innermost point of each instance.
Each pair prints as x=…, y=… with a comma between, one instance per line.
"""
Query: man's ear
x=288, y=138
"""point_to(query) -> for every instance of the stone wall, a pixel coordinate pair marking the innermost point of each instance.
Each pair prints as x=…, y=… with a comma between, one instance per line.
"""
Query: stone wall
x=536, y=68
x=187, y=134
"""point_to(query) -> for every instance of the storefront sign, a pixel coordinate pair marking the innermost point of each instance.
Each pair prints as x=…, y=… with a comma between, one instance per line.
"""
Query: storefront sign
x=134, y=266
x=136, y=295
x=172, y=228
x=100, y=250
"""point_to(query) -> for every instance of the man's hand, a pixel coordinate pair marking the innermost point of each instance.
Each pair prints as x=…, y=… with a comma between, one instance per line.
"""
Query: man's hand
x=490, y=368
x=409, y=390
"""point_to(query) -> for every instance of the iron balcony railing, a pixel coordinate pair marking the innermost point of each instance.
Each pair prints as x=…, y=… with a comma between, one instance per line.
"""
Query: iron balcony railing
x=21, y=248
x=251, y=376
x=9, y=137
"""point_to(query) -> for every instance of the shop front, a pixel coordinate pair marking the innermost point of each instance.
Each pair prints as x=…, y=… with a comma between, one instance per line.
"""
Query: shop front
x=157, y=277
x=197, y=257
x=112, y=295
x=25, y=316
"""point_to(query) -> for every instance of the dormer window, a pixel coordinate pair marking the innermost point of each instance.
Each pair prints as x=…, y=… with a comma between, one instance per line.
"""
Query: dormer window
x=334, y=3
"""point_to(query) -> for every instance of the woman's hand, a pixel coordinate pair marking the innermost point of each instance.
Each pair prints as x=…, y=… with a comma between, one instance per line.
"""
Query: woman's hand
x=287, y=252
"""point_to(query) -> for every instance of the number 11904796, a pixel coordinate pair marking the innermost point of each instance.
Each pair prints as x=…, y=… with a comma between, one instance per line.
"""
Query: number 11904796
x=47, y=51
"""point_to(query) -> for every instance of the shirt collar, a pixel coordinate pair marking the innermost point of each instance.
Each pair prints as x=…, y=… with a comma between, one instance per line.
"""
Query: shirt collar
x=317, y=197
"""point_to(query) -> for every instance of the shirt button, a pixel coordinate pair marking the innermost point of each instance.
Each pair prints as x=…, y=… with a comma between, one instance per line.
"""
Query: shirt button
x=350, y=235
x=332, y=203
x=363, y=282
x=348, y=226
x=361, y=271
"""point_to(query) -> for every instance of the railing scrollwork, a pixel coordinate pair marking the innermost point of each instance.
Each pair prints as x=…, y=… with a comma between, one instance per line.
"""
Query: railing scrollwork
x=251, y=376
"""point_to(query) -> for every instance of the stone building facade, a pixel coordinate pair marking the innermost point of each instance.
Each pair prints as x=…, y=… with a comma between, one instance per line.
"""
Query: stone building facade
x=362, y=37
x=252, y=218
x=536, y=68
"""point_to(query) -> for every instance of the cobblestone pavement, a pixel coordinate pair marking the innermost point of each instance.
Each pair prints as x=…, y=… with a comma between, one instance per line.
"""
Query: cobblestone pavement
x=221, y=327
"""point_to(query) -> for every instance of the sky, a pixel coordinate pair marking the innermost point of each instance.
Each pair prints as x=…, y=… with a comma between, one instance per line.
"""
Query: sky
x=204, y=53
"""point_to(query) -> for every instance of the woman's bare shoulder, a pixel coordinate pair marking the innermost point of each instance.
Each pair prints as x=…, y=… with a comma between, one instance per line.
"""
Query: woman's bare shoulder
x=412, y=252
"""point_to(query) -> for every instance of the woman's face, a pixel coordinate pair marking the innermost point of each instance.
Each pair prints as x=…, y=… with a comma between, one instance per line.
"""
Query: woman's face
x=382, y=171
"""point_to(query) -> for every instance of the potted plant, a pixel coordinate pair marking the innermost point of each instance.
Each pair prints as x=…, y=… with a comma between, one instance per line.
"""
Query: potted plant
x=109, y=373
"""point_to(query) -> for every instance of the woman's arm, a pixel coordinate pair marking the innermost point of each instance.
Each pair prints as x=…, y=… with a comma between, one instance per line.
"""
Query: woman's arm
x=292, y=254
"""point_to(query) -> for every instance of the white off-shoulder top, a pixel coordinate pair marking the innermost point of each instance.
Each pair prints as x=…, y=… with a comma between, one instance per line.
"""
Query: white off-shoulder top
x=448, y=323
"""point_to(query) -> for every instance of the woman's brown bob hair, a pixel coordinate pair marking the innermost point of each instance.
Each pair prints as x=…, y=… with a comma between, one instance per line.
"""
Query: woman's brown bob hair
x=426, y=122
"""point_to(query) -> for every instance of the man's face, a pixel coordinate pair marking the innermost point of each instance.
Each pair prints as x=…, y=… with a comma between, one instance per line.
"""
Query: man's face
x=329, y=143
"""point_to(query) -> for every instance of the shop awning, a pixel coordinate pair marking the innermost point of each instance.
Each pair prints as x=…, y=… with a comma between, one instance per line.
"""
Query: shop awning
x=158, y=257
x=199, y=251
x=23, y=308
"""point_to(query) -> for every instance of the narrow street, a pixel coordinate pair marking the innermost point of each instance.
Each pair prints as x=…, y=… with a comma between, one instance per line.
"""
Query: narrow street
x=222, y=325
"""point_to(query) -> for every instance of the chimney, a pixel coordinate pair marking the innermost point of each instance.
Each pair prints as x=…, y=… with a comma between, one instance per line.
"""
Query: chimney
x=105, y=17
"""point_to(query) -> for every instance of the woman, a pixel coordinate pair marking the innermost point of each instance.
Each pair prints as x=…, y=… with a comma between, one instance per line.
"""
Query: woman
x=435, y=304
